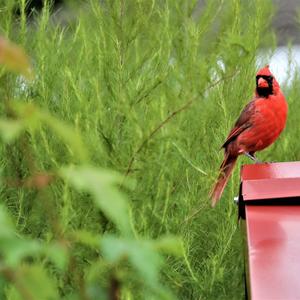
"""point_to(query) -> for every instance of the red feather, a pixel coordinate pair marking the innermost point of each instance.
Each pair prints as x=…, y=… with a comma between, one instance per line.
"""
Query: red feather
x=259, y=125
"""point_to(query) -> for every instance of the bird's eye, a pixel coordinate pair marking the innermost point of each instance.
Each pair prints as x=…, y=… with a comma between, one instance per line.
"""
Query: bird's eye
x=268, y=78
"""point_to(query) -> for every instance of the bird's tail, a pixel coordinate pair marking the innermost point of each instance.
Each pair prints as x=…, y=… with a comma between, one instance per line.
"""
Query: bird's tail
x=225, y=172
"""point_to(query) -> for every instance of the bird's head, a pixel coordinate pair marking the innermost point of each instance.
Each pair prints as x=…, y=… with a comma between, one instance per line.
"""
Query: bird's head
x=266, y=84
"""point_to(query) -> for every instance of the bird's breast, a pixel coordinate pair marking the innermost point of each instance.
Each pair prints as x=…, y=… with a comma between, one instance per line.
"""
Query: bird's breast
x=267, y=123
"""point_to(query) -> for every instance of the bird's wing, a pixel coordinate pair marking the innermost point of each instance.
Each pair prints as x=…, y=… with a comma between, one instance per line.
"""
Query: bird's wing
x=242, y=123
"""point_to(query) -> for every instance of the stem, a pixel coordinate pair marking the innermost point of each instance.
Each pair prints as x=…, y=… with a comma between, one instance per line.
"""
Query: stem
x=167, y=120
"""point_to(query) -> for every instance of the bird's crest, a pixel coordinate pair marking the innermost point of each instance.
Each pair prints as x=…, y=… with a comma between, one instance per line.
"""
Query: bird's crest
x=265, y=71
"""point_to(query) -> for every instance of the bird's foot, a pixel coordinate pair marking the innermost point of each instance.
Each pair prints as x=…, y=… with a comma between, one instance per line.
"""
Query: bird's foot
x=253, y=157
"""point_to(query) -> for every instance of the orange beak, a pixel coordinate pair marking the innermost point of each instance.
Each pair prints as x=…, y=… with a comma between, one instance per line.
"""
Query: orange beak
x=262, y=83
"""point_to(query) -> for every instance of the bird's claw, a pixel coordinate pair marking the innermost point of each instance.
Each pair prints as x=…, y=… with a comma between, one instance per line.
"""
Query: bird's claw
x=252, y=157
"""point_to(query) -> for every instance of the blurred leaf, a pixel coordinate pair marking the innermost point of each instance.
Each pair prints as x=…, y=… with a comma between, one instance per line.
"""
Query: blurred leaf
x=6, y=226
x=169, y=245
x=96, y=292
x=67, y=133
x=58, y=254
x=12, y=247
x=144, y=257
x=15, y=249
x=101, y=185
x=10, y=129
x=27, y=113
x=32, y=116
x=72, y=296
x=87, y=238
x=14, y=58
x=32, y=282
x=140, y=254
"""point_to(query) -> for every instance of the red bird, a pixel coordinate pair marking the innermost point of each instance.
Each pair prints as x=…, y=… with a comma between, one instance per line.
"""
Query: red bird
x=259, y=125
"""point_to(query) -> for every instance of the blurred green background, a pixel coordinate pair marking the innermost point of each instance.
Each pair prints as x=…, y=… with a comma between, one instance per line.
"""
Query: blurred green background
x=108, y=153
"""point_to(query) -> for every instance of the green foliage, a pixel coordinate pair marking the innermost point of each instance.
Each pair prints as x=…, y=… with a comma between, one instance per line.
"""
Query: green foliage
x=35, y=283
x=140, y=254
x=13, y=58
x=107, y=198
x=108, y=154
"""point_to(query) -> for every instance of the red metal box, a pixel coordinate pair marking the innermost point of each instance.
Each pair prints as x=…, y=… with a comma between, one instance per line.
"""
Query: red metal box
x=270, y=203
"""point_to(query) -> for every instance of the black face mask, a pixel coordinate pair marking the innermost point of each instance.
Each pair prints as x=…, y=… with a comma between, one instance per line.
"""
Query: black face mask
x=265, y=92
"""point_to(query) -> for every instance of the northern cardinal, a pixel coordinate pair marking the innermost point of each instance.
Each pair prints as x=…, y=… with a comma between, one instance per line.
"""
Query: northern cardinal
x=259, y=125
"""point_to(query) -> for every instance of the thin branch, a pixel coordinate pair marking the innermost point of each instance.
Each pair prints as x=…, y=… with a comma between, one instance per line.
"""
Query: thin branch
x=114, y=290
x=38, y=181
x=148, y=92
x=168, y=119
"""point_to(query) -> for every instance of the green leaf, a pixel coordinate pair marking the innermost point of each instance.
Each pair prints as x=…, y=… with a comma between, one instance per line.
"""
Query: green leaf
x=140, y=254
x=12, y=247
x=16, y=249
x=6, y=226
x=87, y=238
x=14, y=58
x=144, y=257
x=169, y=245
x=32, y=116
x=32, y=282
x=101, y=184
x=67, y=134
x=58, y=254
x=10, y=129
